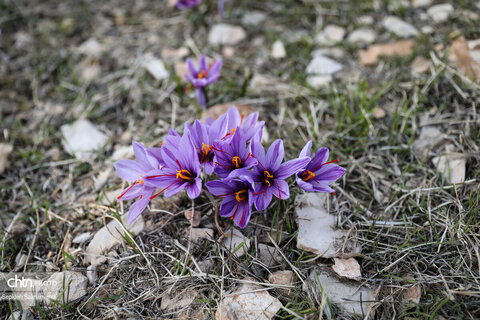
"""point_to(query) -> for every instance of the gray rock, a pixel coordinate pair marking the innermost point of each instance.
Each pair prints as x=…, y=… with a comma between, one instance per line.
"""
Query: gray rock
x=323, y=66
x=362, y=35
x=330, y=35
x=236, y=242
x=440, y=12
x=253, y=18
x=155, y=67
x=399, y=27
x=226, y=34
x=429, y=138
x=82, y=139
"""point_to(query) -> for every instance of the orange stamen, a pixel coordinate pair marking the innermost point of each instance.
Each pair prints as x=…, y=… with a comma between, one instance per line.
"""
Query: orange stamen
x=181, y=174
x=241, y=195
x=236, y=161
x=307, y=175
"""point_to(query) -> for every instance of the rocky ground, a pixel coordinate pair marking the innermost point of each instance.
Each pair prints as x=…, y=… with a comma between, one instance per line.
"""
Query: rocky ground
x=391, y=87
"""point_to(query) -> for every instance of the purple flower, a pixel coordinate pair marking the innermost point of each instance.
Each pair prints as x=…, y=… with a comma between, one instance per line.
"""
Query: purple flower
x=251, y=127
x=238, y=198
x=204, y=76
x=135, y=172
x=203, y=136
x=318, y=173
x=270, y=173
x=181, y=170
x=233, y=156
x=185, y=4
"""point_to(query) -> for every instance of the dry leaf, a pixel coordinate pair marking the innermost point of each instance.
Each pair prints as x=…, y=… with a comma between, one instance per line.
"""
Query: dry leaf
x=5, y=150
x=371, y=54
x=466, y=56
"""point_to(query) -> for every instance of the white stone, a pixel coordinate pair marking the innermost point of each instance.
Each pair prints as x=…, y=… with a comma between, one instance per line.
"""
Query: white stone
x=394, y=5
x=318, y=82
x=316, y=228
x=351, y=298
x=82, y=139
x=155, y=67
x=427, y=29
x=421, y=3
x=223, y=33
x=196, y=234
x=330, y=35
x=399, y=27
x=429, y=137
x=25, y=315
x=122, y=152
x=452, y=166
x=178, y=301
x=440, y=12
x=348, y=268
x=365, y=20
x=108, y=237
x=102, y=178
x=284, y=278
x=236, y=242
x=253, y=18
x=82, y=237
x=268, y=255
x=323, y=66
x=92, y=48
x=66, y=286
x=362, y=35
x=248, y=303
x=5, y=150
x=278, y=50
x=331, y=52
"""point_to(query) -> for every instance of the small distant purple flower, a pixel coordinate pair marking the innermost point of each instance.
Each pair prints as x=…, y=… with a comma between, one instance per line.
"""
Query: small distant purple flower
x=233, y=156
x=185, y=4
x=203, y=136
x=181, y=170
x=204, y=76
x=270, y=173
x=238, y=198
x=251, y=126
x=318, y=173
x=135, y=172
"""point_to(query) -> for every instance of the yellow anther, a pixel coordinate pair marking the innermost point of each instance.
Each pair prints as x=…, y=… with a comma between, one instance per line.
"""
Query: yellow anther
x=307, y=175
x=236, y=162
x=184, y=174
x=241, y=195
x=267, y=176
x=205, y=148
x=202, y=74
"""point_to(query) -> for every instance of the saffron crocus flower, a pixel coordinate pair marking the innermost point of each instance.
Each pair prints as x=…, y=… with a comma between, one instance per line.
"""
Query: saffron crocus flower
x=318, y=173
x=270, y=173
x=233, y=156
x=181, y=170
x=203, y=137
x=135, y=172
x=238, y=198
x=185, y=4
x=251, y=127
x=204, y=76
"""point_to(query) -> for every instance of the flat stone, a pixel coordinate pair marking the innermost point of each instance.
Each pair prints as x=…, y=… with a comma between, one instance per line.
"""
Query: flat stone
x=236, y=242
x=330, y=35
x=178, y=301
x=421, y=3
x=122, y=152
x=5, y=150
x=348, y=268
x=331, y=52
x=253, y=18
x=223, y=33
x=352, y=298
x=92, y=48
x=82, y=237
x=82, y=139
x=362, y=36
x=175, y=54
x=321, y=65
x=196, y=234
x=193, y=216
x=452, y=166
x=285, y=277
x=278, y=50
x=379, y=113
x=316, y=228
x=429, y=138
x=108, y=237
x=88, y=70
x=155, y=67
x=268, y=255
x=371, y=55
x=366, y=20
x=247, y=303
x=420, y=65
x=318, y=82
x=440, y=12
x=399, y=27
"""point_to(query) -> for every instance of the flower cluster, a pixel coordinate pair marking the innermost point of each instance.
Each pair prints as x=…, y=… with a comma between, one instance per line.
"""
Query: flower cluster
x=231, y=148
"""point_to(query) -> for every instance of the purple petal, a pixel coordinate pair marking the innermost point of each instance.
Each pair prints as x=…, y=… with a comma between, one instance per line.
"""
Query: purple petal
x=262, y=200
x=320, y=157
x=306, y=150
x=305, y=185
x=258, y=152
x=227, y=207
x=193, y=190
x=128, y=170
x=234, y=118
x=156, y=154
x=140, y=153
x=200, y=97
x=218, y=129
x=137, y=208
x=175, y=188
x=280, y=189
x=215, y=69
x=191, y=69
x=242, y=215
x=329, y=172
x=132, y=192
x=219, y=187
x=274, y=155
x=288, y=168
x=202, y=64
